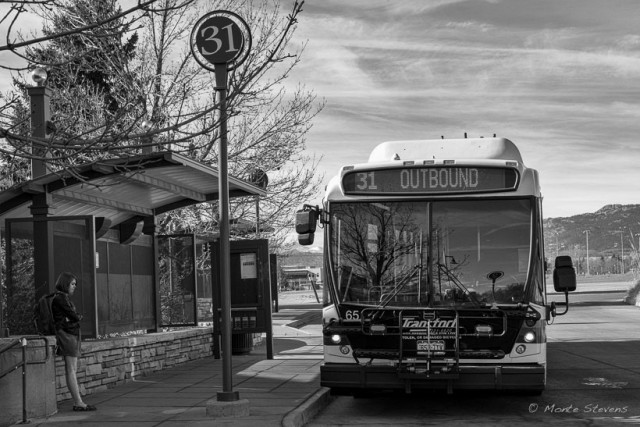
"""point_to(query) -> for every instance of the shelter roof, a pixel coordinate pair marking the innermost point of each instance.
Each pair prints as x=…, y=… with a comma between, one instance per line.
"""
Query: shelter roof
x=123, y=189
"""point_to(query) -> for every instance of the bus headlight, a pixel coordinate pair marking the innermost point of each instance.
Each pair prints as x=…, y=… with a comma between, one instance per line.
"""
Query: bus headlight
x=529, y=336
x=336, y=339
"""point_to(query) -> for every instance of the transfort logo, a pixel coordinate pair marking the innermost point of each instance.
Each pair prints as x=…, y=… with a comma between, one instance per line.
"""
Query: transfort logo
x=434, y=323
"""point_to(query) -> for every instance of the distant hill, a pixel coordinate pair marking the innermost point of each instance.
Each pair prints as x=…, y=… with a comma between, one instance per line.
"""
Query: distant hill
x=562, y=235
x=605, y=228
x=301, y=258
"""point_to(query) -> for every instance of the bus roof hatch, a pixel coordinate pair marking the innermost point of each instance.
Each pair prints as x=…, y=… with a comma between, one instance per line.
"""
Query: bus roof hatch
x=467, y=148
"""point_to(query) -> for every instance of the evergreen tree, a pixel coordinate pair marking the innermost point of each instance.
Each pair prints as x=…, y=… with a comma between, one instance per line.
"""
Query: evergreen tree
x=94, y=59
x=89, y=98
x=107, y=84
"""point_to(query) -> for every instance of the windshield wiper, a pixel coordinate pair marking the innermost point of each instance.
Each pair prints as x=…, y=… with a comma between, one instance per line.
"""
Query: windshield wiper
x=399, y=286
x=452, y=278
x=396, y=291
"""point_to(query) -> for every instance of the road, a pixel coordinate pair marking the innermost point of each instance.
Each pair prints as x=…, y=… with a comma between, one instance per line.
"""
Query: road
x=592, y=293
x=593, y=379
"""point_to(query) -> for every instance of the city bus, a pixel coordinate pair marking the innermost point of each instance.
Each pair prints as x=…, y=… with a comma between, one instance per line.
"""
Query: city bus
x=435, y=270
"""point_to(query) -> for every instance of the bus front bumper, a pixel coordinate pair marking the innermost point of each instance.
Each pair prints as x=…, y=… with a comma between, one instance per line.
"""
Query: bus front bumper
x=349, y=377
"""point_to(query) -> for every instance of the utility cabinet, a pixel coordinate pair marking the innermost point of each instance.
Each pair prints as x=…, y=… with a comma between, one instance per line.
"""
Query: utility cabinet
x=250, y=294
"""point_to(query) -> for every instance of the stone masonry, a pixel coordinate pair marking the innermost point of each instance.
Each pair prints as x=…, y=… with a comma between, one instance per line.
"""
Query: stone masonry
x=107, y=363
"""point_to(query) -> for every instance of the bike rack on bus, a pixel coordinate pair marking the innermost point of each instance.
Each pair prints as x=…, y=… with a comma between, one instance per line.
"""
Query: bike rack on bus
x=416, y=363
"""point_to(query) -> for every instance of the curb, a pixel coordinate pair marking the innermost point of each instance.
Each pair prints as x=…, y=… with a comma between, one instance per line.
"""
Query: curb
x=611, y=291
x=305, y=319
x=308, y=409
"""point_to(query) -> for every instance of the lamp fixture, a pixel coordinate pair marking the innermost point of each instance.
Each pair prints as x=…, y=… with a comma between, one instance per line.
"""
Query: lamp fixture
x=39, y=76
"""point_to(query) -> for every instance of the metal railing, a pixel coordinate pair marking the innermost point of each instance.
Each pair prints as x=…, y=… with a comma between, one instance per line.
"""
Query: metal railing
x=24, y=341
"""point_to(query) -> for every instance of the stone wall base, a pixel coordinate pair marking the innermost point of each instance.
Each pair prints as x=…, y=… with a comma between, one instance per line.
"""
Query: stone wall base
x=107, y=363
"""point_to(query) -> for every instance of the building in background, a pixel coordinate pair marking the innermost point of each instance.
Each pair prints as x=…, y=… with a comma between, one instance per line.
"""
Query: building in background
x=298, y=278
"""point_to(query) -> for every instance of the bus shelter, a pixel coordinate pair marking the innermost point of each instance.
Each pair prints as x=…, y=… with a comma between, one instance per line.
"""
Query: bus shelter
x=99, y=221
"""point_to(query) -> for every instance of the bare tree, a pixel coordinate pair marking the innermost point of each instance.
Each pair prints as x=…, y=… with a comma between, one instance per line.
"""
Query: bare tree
x=83, y=26
x=13, y=14
x=374, y=241
x=156, y=95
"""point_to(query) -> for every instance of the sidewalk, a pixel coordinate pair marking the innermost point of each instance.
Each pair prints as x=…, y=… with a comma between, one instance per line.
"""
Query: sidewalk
x=283, y=391
x=597, y=287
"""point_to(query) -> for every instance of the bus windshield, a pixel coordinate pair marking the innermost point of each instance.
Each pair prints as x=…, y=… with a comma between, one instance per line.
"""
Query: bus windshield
x=427, y=254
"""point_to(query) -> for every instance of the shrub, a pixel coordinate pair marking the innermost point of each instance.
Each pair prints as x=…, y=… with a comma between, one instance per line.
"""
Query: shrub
x=632, y=294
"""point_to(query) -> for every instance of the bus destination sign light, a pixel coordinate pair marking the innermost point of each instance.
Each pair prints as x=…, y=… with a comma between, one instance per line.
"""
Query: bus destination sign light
x=428, y=180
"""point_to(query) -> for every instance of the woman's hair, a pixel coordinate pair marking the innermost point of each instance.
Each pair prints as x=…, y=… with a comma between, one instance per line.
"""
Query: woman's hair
x=64, y=281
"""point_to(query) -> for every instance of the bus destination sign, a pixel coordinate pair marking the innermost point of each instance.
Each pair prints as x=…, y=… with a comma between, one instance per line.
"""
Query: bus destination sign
x=428, y=180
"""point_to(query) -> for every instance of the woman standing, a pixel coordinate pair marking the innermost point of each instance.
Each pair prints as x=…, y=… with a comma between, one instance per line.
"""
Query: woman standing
x=67, y=323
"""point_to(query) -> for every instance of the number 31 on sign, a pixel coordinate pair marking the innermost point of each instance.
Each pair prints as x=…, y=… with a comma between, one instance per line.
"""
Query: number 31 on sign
x=220, y=38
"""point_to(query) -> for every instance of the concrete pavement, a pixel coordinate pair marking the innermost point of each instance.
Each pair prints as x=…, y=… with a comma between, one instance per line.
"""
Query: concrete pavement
x=284, y=391
x=594, y=287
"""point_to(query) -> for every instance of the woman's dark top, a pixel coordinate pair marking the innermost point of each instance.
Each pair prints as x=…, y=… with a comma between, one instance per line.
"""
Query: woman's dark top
x=64, y=314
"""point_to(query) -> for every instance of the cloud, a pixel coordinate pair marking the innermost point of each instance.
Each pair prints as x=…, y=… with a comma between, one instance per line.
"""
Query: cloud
x=558, y=78
x=527, y=14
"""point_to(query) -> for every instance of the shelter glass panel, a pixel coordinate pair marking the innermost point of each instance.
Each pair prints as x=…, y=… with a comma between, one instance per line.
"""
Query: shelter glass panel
x=68, y=245
x=203, y=283
x=178, y=299
x=19, y=289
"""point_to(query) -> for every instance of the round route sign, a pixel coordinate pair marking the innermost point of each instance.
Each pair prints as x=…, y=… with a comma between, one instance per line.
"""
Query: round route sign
x=220, y=37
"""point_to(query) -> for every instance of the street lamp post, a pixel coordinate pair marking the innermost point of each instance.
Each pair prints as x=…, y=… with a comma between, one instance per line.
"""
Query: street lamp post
x=621, y=250
x=637, y=250
x=40, y=96
x=587, y=233
x=42, y=206
x=638, y=253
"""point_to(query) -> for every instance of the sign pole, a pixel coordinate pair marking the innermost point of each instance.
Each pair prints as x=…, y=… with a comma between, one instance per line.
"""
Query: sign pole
x=227, y=393
x=220, y=41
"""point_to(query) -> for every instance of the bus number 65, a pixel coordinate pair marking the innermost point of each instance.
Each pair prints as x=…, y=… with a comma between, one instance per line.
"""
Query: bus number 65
x=352, y=315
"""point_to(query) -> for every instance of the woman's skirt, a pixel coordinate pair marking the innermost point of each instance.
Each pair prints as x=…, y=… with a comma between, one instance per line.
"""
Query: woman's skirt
x=68, y=344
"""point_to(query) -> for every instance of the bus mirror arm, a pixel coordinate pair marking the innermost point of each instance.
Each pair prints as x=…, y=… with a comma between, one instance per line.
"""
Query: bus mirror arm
x=552, y=309
x=564, y=280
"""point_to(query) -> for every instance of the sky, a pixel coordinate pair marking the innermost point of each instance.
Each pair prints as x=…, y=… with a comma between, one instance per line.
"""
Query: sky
x=559, y=78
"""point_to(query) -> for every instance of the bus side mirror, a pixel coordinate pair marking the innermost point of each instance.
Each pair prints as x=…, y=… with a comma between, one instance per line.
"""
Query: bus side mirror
x=305, y=239
x=564, y=275
x=306, y=221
